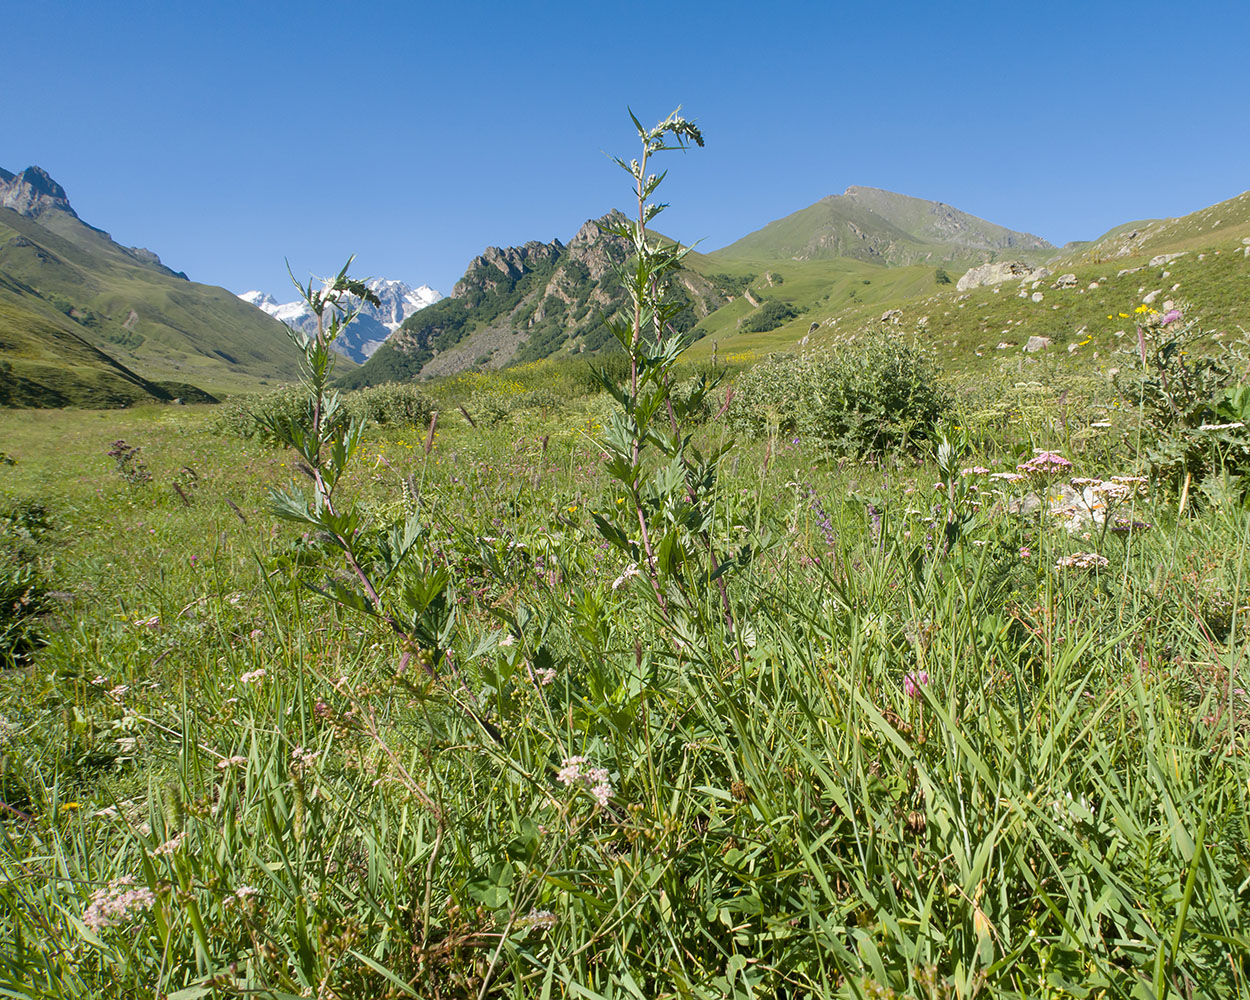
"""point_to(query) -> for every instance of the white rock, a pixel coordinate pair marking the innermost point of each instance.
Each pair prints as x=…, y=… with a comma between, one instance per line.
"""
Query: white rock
x=1165, y=258
x=1036, y=344
x=1150, y=298
x=1093, y=285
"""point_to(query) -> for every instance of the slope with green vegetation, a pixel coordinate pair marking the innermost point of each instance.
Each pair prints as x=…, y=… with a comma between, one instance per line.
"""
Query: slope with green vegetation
x=59, y=274
x=1082, y=306
x=887, y=228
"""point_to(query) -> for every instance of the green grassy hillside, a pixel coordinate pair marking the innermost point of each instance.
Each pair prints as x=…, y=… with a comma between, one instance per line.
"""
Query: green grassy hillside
x=59, y=274
x=882, y=227
x=1087, y=318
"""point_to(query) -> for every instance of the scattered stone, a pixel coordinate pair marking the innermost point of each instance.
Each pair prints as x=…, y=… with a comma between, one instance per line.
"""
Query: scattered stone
x=1073, y=348
x=1003, y=345
x=1149, y=299
x=1065, y=281
x=892, y=316
x=1127, y=270
x=1093, y=285
x=1035, y=284
x=1036, y=344
x=1165, y=258
x=1037, y=296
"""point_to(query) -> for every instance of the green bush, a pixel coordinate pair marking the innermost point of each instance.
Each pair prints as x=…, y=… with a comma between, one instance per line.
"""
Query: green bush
x=23, y=587
x=247, y=416
x=1194, y=402
x=769, y=316
x=868, y=397
x=492, y=406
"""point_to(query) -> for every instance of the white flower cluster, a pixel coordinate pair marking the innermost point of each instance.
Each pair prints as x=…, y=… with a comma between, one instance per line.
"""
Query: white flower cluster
x=594, y=778
x=116, y=904
x=1082, y=560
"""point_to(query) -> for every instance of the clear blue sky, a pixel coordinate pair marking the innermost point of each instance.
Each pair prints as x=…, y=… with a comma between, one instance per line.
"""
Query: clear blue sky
x=226, y=136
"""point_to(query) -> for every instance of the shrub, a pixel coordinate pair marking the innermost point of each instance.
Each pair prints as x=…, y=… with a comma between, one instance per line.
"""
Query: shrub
x=393, y=403
x=491, y=406
x=877, y=394
x=769, y=316
x=1195, y=403
x=23, y=588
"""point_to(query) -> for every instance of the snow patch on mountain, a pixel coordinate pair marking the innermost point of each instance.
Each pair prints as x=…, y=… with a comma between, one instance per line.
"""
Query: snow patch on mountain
x=371, y=327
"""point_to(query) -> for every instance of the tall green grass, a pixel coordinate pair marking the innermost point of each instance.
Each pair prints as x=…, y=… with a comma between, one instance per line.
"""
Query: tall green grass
x=1060, y=811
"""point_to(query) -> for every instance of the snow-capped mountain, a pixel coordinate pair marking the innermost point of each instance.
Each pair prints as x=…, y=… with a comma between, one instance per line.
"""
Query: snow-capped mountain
x=371, y=327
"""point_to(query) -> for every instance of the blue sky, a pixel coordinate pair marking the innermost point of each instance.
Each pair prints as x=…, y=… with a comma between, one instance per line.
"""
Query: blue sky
x=229, y=136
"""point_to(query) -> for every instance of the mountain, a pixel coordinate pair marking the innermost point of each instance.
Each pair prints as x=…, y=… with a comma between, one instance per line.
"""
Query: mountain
x=524, y=303
x=370, y=328
x=882, y=227
x=86, y=321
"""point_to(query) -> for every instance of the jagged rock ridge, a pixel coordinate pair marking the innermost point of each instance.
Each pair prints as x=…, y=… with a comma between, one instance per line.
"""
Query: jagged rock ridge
x=526, y=302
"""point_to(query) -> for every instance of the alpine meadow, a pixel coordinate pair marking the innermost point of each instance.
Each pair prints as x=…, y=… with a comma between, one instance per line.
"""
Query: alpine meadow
x=860, y=610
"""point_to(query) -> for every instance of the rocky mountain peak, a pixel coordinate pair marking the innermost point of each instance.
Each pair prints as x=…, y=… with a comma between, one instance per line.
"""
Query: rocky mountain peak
x=598, y=249
x=33, y=192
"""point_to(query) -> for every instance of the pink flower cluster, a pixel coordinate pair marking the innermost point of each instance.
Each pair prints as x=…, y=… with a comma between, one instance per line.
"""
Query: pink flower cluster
x=594, y=778
x=1046, y=463
x=913, y=681
x=116, y=904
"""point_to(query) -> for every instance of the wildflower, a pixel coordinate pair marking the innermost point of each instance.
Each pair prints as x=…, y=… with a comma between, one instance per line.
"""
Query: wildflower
x=170, y=846
x=1223, y=427
x=1082, y=560
x=253, y=676
x=1007, y=477
x=153, y=622
x=1025, y=553
x=1045, y=463
x=913, y=681
x=627, y=574
x=508, y=640
x=119, y=692
x=116, y=904
x=70, y=806
x=228, y=762
x=974, y=470
x=594, y=778
x=301, y=758
x=537, y=918
x=1171, y=316
x=541, y=677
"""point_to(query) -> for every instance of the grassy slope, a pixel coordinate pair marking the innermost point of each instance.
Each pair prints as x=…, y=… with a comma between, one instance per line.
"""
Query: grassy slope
x=883, y=227
x=162, y=327
x=1211, y=283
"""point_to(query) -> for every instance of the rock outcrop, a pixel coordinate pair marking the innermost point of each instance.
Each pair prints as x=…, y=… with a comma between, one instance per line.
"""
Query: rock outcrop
x=998, y=272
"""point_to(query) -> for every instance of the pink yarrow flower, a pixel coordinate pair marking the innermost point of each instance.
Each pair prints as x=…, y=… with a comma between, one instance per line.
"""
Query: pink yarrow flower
x=913, y=681
x=1045, y=463
x=595, y=779
x=118, y=903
